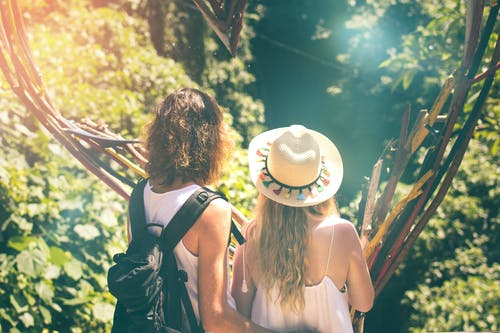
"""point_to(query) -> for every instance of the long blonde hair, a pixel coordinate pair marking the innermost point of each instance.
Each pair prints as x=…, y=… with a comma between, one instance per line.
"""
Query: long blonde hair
x=282, y=235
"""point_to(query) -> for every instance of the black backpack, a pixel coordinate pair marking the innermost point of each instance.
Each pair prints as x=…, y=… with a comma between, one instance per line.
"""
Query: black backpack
x=150, y=289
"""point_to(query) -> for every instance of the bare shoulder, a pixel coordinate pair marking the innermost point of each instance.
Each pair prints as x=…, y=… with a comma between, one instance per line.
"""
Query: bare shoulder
x=217, y=209
x=212, y=230
x=219, y=205
x=342, y=226
x=248, y=228
x=345, y=233
x=345, y=227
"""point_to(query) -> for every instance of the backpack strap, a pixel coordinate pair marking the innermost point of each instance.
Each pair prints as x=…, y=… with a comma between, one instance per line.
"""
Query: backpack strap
x=190, y=212
x=187, y=215
x=137, y=213
x=237, y=233
x=183, y=220
x=171, y=235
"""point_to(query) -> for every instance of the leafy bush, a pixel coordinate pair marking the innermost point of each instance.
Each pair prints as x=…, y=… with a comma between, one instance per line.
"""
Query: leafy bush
x=60, y=226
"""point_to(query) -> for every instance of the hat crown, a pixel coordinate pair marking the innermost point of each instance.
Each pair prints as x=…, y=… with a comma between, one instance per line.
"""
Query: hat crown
x=295, y=166
x=295, y=158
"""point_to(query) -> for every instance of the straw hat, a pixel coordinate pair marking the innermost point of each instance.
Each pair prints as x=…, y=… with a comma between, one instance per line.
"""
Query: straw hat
x=295, y=166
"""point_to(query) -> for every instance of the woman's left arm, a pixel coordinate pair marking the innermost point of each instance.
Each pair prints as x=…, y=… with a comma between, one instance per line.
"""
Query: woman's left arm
x=359, y=283
x=242, y=286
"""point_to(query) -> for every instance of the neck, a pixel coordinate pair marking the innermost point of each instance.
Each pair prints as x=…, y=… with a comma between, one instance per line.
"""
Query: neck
x=313, y=219
x=158, y=186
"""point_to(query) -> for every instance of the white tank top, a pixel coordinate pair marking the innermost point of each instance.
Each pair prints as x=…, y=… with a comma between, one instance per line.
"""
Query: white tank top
x=160, y=208
x=326, y=308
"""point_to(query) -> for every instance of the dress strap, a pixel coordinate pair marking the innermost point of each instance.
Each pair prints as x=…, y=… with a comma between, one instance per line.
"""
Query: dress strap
x=330, y=250
x=244, y=284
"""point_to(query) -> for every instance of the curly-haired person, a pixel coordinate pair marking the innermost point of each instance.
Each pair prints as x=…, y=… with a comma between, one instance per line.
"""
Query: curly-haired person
x=187, y=145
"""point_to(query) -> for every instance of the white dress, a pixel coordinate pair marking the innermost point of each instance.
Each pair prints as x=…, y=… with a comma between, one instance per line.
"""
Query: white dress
x=160, y=208
x=326, y=309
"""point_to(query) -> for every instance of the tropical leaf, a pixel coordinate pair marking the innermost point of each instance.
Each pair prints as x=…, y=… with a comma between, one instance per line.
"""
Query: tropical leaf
x=31, y=262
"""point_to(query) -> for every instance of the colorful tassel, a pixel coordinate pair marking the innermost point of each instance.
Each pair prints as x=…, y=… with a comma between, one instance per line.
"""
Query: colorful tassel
x=261, y=153
x=301, y=196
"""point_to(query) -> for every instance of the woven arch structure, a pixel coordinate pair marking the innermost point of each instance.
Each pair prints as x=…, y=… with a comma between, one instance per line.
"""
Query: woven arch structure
x=387, y=229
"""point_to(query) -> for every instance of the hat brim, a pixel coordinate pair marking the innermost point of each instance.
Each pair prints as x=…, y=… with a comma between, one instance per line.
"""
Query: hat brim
x=332, y=161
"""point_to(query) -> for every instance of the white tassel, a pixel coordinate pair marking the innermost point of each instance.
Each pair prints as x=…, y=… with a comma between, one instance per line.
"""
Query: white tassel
x=244, y=286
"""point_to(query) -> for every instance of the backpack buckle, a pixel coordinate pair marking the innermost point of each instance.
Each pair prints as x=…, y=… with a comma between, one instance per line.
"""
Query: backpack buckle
x=202, y=197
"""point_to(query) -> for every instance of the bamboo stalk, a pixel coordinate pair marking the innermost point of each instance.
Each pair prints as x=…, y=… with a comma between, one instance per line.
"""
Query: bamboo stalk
x=367, y=228
x=362, y=205
x=126, y=162
x=21, y=35
x=130, y=148
x=483, y=42
x=212, y=20
x=403, y=252
x=415, y=192
x=461, y=91
x=381, y=254
x=399, y=166
x=101, y=140
x=237, y=25
x=108, y=149
x=458, y=99
x=419, y=131
x=486, y=73
x=458, y=150
x=217, y=8
x=473, y=16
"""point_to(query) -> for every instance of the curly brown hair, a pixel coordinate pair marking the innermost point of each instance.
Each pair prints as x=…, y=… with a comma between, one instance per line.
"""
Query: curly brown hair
x=187, y=139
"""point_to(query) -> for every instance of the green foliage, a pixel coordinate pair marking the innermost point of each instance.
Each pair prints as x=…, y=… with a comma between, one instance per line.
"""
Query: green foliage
x=60, y=226
x=449, y=282
x=230, y=79
x=180, y=32
x=431, y=49
x=235, y=183
x=466, y=301
x=104, y=67
x=57, y=239
x=469, y=211
x=52, y=269
x=233, y=83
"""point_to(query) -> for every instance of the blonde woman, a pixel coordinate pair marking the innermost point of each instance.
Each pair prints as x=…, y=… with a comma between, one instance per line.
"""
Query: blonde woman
x=302, y=265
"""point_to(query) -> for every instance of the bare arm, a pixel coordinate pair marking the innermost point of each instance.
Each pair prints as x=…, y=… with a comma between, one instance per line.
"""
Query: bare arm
x=216, y=314
x=360, y=287
x=243, y=299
